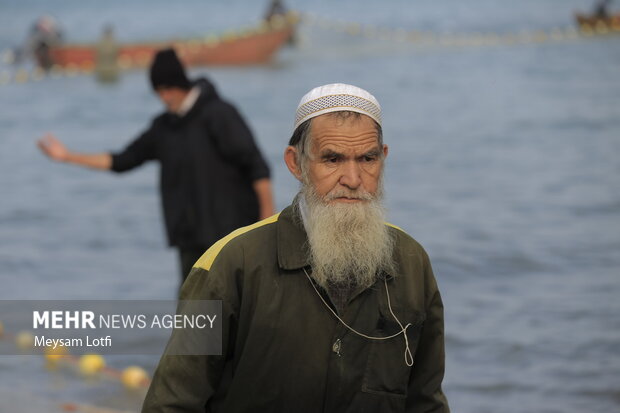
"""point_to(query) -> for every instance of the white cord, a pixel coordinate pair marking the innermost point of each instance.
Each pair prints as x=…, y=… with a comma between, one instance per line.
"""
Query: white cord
x=403, y=330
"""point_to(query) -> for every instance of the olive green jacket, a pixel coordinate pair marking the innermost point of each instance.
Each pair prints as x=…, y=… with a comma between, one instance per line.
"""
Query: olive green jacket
x=284, y=351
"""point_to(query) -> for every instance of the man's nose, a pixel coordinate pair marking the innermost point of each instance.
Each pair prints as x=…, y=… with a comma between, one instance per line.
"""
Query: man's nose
x=351, y=176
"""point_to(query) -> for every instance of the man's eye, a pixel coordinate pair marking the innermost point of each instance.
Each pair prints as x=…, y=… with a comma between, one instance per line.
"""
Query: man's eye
x=369, y=158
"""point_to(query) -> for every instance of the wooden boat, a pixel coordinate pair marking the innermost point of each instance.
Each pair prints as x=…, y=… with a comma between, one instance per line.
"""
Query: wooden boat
x=600, y=24
x=249, y=47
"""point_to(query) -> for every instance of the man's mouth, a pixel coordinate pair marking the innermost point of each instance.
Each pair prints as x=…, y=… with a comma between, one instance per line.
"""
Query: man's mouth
x=347, y=199
x=342, y=196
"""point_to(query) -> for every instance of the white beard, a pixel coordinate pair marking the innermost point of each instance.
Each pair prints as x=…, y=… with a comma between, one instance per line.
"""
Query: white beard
x=350, y=244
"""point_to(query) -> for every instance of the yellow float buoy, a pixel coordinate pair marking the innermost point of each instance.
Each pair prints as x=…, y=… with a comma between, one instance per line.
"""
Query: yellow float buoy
x=586, y=30
x=71, y=70
x=38, y=74
x=53, y=355
x=134, y=377
x=277, y=22
x=353, y=29
x=91, y=364
x=24, y=340
x=293, y=17
x=601, y=28
x=5, y=78
x=8, y=57
x=21, y=76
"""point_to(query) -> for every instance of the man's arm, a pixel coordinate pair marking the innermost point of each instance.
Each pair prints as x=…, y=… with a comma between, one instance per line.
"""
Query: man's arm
x=142, y=149
x=262, y=187
x=57, y=151
x=235, y=142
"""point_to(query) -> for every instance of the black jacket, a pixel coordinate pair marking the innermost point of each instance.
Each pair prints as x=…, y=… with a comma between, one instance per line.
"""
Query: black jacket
x=209, y=161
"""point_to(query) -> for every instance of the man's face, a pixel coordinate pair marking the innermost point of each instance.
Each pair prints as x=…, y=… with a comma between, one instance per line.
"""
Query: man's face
x=172, y=97
x=346, y=159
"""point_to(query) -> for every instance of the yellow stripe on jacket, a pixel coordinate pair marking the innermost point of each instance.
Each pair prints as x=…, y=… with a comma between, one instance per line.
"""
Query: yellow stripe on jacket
x=209, y=256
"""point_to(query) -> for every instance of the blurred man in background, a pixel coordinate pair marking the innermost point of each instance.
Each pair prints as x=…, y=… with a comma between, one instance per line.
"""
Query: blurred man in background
x=44, y=34
x=106, y=57
x=213, y=178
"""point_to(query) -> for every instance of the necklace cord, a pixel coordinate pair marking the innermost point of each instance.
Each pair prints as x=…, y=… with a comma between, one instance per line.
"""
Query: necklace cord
x=403, y=330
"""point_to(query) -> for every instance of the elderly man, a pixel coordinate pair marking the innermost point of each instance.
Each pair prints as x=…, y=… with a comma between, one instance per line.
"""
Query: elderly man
x=325, y=307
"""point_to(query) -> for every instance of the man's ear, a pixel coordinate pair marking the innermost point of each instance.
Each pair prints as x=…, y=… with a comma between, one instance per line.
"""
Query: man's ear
x=291, y=158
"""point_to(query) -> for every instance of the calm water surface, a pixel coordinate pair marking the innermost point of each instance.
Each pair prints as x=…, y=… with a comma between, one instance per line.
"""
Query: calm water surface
x=504, y=164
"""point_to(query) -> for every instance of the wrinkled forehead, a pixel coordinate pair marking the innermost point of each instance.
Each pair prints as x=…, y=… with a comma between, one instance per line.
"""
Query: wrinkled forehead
x=344, y=132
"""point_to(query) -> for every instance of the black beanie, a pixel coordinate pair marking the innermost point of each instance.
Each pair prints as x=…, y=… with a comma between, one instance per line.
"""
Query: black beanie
x=167, y=71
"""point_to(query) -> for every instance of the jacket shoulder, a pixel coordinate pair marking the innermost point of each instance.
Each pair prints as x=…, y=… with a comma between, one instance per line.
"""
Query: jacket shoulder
x=159, y=119
x=408, y=247
x=402, y=237
x=218, y=110
x=245, y=235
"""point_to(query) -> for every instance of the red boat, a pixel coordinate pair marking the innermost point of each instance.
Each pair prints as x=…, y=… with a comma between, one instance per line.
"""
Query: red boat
x=602, y=24
x=253, y=46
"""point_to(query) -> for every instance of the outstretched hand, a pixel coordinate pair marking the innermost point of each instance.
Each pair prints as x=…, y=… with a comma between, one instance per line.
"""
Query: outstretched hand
x=52, y=147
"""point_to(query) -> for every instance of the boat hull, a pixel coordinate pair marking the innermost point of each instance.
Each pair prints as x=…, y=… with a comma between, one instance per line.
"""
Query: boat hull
x=250, y=48
x=598, y=23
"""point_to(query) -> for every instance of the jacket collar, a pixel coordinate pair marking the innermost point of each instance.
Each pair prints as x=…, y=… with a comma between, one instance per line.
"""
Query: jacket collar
x=292, y=240
x=201, y=93
x=189, y=101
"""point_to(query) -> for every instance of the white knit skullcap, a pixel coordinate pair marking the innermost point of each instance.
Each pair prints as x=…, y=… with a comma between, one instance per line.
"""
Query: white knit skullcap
x=337, y=97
